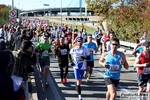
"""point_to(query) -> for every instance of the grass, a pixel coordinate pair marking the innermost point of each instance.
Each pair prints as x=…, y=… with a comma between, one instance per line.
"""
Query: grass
x=89, y=29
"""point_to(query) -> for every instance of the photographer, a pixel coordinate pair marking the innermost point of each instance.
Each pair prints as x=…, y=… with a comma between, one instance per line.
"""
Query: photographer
x=25, y=58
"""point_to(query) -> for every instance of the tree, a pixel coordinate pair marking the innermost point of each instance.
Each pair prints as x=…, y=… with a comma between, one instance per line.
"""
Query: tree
x=126, y=18
x=4, y=11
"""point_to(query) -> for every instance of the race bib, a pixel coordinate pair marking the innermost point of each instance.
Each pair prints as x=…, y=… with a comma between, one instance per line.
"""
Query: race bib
x=79, y=59
x=91, y=50
x=45, y=53
x=69, y=37
x=63, y=51
x=146, y=71
x=114, y=68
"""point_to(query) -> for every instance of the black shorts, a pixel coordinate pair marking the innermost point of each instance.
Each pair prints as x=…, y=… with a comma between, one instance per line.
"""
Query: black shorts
x=98, y=42
x=63, y=64
x=90, y=63
x=142, y=79
x=109, y=81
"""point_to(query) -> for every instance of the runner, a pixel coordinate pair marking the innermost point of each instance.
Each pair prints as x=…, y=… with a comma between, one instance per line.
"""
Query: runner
x=142, y=62
x=84, y=35
x=107, y=42
x=98, y=35
x=44, y=48
x=62, y=52
x=91, y=46
x=80, y=55
x=113, y=61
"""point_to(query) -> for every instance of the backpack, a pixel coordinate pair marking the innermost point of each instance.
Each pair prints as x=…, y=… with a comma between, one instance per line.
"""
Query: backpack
x=18, y=65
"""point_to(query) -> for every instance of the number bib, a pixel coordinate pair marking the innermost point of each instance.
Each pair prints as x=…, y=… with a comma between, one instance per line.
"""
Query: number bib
x=146, y=71
x=114, y=68
x=45, y=53
x=79, y=59
x=63, y=51
x=91, y=50
x=69, y=37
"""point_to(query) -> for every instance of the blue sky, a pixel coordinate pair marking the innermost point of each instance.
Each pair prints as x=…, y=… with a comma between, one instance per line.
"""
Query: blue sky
x=35, y=4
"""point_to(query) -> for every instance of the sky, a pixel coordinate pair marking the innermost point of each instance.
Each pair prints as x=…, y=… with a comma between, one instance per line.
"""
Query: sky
x=37, y=4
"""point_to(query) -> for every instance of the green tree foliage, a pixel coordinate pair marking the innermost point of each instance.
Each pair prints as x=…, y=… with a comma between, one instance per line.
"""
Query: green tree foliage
x=4, y=11
x=126, y=19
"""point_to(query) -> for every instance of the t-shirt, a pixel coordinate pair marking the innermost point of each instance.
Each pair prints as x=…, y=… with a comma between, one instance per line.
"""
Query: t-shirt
x=78, y=61
x=91, y=47
x=68, y=37
x=62, y=52
x=108, y=47
x=43, y=46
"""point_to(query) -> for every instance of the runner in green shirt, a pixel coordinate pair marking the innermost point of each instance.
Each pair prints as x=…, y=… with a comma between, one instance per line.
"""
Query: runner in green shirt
x=44, y=48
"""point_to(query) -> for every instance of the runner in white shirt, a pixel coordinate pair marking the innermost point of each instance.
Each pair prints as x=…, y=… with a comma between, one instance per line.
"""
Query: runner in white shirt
x=80, y=55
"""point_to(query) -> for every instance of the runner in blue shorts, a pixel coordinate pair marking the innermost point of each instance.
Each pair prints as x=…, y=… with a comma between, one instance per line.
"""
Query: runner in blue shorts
x=80, y=55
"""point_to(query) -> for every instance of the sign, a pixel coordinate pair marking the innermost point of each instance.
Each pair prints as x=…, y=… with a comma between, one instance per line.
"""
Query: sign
x=13, y=21
x=12, y=13
x=46, y=4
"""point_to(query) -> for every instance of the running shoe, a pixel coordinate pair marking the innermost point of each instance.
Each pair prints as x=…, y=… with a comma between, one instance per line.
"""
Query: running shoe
x=87, y=80
x=61, y=82
x=65, y=79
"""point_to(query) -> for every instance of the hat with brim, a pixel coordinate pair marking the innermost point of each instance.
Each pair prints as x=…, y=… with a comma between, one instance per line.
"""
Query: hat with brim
x=79, y=39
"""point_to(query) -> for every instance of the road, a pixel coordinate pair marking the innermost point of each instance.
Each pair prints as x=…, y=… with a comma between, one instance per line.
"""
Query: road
x=95, y=90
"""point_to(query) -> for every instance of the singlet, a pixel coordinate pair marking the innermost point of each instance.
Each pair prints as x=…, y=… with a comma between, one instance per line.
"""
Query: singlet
x=114, y=67
x=78, y=61
x=142, y=70
x=91, y=47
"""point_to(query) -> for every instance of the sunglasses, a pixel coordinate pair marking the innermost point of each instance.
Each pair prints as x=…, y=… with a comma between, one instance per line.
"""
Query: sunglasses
x=78, y=41
x=115, y=44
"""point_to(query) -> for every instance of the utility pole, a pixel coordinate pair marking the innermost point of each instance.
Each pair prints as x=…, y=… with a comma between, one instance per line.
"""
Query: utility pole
x=12, y=6
x=85, y=8
x=80, y=5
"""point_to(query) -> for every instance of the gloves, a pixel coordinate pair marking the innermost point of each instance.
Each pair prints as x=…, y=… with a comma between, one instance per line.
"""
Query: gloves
x=72, y=63
x=83, y=57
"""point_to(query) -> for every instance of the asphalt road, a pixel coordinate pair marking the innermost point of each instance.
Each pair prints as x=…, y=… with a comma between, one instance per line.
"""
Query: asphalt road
x=95, y=90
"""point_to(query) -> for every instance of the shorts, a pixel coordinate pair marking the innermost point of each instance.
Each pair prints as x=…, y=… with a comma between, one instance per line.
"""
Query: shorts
x=142, y=79
x=109, y=81
x=90, y=63
x=44, y=61
x=78, y=73
x=98, y=42
x=63, y=64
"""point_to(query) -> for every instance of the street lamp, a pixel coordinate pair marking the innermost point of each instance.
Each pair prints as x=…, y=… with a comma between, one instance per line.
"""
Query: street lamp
x=44, y=6
x=60, y=12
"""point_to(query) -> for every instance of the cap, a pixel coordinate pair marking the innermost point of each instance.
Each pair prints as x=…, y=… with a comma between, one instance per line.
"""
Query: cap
x=79, y=39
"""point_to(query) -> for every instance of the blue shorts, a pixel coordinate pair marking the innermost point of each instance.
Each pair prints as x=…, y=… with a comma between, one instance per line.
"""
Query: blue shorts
x=78, y=73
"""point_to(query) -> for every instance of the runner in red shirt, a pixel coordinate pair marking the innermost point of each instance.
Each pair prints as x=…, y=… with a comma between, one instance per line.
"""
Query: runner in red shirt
x=142, y=62
x=68, y=37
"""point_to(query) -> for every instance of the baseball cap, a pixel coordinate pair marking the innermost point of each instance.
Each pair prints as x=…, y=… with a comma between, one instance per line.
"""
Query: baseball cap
x=79, y=39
